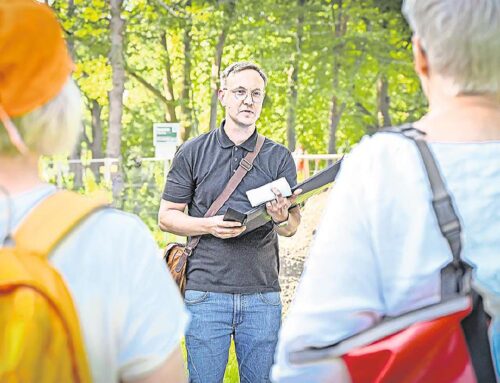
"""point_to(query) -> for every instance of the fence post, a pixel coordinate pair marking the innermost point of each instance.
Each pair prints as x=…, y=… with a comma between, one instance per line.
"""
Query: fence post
x=59, y=174
x=107, y=169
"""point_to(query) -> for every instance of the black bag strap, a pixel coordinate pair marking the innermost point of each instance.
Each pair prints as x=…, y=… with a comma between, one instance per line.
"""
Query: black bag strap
x=475, y=328
x=456, y=277
x=246, y=164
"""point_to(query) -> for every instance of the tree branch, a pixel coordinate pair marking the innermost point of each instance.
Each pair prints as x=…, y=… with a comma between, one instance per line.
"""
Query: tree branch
x=171, y=11
x=148, y=86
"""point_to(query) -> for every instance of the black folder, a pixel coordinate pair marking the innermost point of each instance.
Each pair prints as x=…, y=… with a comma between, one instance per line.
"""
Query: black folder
x=319, y=182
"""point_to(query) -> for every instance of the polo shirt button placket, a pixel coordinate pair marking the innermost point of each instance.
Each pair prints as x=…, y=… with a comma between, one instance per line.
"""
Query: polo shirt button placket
x=236, y=166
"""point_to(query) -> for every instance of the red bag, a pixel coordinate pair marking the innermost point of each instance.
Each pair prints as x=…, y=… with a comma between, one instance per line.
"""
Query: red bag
x=430, y=352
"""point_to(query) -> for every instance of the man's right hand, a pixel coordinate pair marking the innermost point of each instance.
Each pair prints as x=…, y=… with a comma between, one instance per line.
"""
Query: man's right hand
x=173, y=219
x=223, y=229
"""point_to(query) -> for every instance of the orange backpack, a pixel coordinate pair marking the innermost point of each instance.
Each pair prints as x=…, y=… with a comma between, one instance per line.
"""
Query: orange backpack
x=40, y=335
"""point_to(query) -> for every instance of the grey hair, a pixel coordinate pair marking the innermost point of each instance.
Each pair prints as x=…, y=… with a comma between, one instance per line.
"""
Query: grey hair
x=51, y=129
x=239, y=67
x=461, y=39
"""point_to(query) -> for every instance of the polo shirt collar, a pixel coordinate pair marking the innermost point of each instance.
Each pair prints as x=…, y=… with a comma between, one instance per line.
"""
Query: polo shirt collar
x=225, y=142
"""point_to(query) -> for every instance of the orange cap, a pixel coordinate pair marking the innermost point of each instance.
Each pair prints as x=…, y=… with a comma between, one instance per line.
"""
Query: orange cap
x=34, y=60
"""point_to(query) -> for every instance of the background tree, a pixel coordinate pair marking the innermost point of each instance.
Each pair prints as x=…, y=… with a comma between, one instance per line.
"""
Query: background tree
x=228, y=13
x=117, y=61
x=294, y=76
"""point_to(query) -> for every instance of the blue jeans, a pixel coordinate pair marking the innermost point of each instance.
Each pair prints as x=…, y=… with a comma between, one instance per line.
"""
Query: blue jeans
x=253, y=320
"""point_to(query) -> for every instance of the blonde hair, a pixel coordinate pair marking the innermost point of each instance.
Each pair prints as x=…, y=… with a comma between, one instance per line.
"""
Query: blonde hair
x=461, y=39
x=239, y=67
x=53, y=128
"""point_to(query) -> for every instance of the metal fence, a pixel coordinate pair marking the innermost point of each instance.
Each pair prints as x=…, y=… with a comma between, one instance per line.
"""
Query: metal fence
x=141, y=180
x=61, y=171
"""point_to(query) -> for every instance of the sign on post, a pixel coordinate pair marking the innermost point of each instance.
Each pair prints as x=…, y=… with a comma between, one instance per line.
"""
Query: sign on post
x=165, y=139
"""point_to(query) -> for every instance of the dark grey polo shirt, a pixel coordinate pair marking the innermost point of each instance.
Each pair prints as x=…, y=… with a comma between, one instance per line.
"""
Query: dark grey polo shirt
x=200, y=170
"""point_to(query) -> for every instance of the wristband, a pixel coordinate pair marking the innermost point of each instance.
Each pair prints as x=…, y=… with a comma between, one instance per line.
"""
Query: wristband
x=283, y=223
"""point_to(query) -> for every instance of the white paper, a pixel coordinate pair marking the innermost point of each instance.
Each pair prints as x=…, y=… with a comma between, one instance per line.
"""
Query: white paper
x=264, y=193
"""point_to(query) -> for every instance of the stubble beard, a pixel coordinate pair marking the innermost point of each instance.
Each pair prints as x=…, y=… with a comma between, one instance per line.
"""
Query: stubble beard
x=240, y=124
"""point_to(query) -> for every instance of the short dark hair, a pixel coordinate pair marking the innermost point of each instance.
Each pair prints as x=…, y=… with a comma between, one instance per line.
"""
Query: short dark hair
x=239, y=67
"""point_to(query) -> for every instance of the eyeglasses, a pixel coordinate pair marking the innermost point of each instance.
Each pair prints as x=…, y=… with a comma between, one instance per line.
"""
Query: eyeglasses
x=241, y=94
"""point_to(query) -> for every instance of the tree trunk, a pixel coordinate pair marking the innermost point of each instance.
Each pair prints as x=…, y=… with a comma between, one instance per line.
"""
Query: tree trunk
x=383, y=101
x=113, y=147
x=336, y=107
x=168, y=86
x=69, y=38
x=294, y=77
x=96, y=145
x=219, y=49
x=336, y=111
x=75, y=168
x=186, y=112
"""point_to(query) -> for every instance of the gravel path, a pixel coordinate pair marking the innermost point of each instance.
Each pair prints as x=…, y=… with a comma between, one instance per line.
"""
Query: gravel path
x=294, y=250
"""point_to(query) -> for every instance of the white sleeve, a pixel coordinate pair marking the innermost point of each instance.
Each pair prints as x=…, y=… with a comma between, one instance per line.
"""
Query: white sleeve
x=155, y=316
x=339, y=293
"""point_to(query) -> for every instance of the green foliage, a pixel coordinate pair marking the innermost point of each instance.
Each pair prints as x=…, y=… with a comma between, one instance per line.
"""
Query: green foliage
x=375, y=42
x=347, y=47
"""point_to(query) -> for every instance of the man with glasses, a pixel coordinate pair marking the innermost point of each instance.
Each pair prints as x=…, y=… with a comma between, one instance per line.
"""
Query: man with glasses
x=232, y=288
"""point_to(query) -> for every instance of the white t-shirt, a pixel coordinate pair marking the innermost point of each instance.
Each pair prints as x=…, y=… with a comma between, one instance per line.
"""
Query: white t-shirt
x=131, y=313
x=379, y=250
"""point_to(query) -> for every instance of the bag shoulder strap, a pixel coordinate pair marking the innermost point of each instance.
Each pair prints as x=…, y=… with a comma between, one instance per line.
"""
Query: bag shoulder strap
x=246, y=164
x=52, y=219
x=456, y=276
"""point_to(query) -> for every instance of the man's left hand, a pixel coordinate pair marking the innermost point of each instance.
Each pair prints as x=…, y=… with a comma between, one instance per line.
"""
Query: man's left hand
x=278, y=208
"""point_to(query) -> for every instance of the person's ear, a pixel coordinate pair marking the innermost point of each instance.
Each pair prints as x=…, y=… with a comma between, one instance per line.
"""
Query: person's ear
x=421, y=62
x=220, y=96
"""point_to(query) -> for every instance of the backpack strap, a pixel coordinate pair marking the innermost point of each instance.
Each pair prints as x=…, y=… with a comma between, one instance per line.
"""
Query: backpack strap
x=52, y=219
